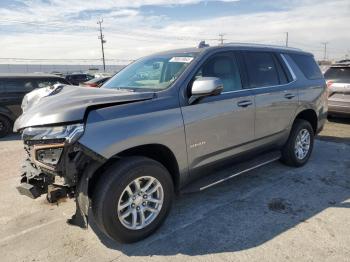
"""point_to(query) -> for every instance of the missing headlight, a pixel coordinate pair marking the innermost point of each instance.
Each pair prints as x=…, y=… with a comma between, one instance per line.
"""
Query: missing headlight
x=49, y=156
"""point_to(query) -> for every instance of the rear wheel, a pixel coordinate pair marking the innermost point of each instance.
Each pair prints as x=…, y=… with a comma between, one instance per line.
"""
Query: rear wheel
x=297, y=150
x=132, y=199
x=5, y=126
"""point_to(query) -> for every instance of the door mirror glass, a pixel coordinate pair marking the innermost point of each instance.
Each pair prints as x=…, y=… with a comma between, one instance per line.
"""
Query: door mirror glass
x=206, y=86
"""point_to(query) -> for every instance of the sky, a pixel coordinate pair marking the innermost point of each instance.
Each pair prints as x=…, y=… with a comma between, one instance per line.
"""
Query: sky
x=64, y=31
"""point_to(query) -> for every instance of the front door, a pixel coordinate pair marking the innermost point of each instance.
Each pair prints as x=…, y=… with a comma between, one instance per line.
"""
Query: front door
x=217, y=126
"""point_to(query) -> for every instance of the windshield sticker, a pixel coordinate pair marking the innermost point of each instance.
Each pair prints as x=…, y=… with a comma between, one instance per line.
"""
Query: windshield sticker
x=181, y=59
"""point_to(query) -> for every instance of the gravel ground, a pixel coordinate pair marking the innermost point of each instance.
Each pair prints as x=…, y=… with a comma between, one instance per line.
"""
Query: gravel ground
x=275, y=213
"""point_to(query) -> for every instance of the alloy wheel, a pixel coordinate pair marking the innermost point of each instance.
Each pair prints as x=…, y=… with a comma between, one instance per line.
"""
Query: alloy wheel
x=302, y=144
x=140, y=202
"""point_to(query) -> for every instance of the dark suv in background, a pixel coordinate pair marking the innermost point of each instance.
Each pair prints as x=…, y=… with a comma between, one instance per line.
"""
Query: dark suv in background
x=78, y=78
x=338, y=82
x=163, y=122
x=13, y=87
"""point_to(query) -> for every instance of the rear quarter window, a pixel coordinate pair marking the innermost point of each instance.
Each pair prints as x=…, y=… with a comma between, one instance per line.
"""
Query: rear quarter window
x=307, y=66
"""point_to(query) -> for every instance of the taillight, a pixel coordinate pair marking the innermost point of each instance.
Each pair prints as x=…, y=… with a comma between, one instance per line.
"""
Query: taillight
x=92, y=85
x=329, y=83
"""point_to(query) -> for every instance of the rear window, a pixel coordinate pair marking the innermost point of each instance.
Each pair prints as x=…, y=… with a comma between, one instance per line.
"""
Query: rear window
x=307, y=65
x=338, y=73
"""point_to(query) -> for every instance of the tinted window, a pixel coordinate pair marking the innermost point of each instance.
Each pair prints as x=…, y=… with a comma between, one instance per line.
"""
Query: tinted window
x=307, y=65
x=2, y=86
x=223, y=66
x=19, y=85
x=338, y=73
x=261, y=68
x=281, y=73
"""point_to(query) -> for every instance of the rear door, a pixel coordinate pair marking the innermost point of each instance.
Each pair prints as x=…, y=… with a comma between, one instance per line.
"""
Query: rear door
x=276, y=98
x=218, y=126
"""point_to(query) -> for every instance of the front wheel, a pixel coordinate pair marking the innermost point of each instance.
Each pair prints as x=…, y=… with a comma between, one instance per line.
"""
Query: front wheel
x=132, y=198
x=296, y=152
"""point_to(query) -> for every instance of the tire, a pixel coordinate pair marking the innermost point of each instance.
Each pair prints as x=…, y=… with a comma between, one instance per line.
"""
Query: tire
x=111, y=190
x=289, y=155
x=5, y=126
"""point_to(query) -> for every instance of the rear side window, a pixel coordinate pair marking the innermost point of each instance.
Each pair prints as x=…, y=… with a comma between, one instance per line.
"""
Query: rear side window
x=19, y=85
x=262, y=69
x=307, y=65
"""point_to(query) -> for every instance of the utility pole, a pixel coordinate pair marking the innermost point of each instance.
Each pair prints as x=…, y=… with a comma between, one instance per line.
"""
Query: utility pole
x=287, y=39
x=221, y=38
x=101, y=37
x=325, y=50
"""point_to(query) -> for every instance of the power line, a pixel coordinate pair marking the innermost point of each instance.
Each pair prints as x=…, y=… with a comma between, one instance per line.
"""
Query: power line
x=101, y=37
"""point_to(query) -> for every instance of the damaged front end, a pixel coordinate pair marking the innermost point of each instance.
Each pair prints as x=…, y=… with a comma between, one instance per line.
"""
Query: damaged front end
x=58, y=165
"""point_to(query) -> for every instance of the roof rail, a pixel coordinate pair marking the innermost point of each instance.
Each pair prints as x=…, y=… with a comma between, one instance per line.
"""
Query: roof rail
x=262, y=45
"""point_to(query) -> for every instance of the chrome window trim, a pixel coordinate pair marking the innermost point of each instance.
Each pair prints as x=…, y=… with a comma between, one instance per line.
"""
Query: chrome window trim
x=264, y=87
x=289, y=67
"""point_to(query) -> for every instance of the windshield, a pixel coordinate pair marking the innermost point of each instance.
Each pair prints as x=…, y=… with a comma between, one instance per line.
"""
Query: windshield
x=153, y=73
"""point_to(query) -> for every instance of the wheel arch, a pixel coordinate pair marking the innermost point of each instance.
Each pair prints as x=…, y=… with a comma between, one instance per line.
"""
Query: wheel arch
x=310, y=116
x=157, y=152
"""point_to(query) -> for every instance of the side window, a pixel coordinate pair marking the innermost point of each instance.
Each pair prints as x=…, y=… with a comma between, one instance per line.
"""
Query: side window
x=261, y=69
x=281, y=73
x=307, y=65
x=2, y=86
x=223, y=66
x=19, y=85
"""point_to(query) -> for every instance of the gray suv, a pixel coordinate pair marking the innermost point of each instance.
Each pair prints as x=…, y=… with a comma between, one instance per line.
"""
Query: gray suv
x=170, y=123
x=338, y=82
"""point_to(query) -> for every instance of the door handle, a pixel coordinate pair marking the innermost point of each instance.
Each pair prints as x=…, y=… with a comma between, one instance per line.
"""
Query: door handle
x=244, y=103
x=289, y=96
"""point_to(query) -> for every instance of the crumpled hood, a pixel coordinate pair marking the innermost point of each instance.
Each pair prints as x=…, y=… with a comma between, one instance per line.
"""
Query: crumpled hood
x=69, y=104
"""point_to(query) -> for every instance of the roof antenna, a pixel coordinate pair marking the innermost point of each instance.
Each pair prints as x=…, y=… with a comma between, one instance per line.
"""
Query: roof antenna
x=202, y=44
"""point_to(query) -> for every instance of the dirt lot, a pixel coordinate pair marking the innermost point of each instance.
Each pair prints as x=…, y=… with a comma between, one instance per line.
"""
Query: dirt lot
x=275, y=213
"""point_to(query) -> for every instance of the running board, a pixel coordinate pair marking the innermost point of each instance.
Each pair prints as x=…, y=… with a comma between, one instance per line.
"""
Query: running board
x=231, y=172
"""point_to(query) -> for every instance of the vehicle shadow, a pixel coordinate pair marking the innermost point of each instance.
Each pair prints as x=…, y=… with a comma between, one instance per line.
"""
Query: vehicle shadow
x=336, y=130
x=339, y=119
x=251, y=209
x=335, y=139
x=11, y=137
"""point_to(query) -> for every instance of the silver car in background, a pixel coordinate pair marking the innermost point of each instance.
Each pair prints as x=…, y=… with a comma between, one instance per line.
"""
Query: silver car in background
x=338, y=82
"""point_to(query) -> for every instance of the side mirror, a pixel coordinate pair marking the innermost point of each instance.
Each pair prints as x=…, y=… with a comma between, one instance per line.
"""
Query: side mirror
x=205, y=86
